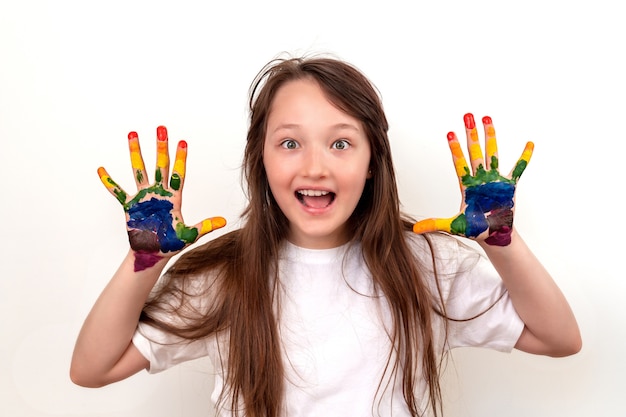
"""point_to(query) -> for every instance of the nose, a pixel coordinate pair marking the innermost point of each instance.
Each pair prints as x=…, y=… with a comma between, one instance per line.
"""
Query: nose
x=315, y=163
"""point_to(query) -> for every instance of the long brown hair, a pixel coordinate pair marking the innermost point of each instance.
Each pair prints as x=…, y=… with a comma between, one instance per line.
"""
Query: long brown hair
x=242, y=264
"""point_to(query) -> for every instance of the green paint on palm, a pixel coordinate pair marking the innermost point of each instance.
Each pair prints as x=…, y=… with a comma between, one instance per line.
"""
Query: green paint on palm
x=483, y=176
x=458, y=225
x=186, y=234
x=155, y=189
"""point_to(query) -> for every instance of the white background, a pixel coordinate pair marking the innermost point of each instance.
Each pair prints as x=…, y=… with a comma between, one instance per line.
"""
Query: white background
x=77, y=76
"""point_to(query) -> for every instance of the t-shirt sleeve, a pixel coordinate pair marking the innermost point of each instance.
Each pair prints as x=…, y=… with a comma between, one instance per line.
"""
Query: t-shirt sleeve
x=478, y=309
x=164, y=350
x=492, y=323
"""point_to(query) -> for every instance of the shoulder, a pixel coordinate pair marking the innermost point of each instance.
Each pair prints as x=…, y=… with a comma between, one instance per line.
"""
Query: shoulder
x=444, y=251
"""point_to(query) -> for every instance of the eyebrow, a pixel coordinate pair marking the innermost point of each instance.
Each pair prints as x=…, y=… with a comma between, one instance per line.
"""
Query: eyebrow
x=338, y=126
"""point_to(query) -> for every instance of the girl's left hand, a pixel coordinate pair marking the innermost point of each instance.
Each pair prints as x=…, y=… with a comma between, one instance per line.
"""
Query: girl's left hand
x=488, y=197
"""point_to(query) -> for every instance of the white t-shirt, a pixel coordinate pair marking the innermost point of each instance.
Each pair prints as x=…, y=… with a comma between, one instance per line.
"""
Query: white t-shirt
x=333, y=328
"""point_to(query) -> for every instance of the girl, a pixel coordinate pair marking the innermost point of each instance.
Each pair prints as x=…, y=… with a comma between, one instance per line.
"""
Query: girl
x=328, y=301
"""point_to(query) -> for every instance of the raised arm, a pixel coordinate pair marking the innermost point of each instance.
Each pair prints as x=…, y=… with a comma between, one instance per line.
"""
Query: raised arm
x=156, y=230
x=486, y=216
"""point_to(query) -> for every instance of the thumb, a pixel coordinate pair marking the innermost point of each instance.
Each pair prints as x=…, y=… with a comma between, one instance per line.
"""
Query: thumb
x=432, y=225
x=210, y=224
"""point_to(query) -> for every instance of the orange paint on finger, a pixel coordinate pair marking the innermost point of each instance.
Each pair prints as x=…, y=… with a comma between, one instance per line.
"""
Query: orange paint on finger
x=135, y=152
x=432, y=225
x=528, y=151
x=104, y=177
x=491, y=145
x=473, y=146
x=163, y=160
x=212, y=224
x=475, y=153
x=460, y=164
x=111, y=185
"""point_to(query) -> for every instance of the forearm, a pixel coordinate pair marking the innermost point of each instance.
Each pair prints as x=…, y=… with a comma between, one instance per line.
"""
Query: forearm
x=108, y=329
x=551, y=327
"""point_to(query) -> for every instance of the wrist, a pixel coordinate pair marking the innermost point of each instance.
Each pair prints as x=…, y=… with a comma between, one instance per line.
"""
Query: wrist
x=491, y=245
x=135, y=262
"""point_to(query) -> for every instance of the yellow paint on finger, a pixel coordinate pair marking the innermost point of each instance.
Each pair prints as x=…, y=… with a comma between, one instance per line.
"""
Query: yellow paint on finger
x=104, y=177
x=163, y=160
x=135, y=152
x=476, y=154
x=137, y=161
x=491, y=145
x=211, y=224
x=181, y=158
x=179, y=166
x=528, y=151
x=460, y=164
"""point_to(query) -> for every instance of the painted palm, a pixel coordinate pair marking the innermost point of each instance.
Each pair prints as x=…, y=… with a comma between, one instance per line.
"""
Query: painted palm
x=488, y=197
x=153, y=215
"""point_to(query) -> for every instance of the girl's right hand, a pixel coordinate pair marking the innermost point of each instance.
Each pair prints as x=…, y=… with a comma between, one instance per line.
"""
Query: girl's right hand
x=155, y=225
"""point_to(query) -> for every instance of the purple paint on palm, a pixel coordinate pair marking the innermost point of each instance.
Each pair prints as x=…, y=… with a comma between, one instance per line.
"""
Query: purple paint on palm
x=151, y=232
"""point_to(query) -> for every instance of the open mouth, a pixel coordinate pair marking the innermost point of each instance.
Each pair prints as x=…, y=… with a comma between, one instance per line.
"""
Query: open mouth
x=315, y=198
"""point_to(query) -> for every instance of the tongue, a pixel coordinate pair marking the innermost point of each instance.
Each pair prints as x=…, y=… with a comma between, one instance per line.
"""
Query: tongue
x=317, y=202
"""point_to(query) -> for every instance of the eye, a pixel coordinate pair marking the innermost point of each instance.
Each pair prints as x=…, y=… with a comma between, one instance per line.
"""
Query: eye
x=341, y=144
x=289, y=144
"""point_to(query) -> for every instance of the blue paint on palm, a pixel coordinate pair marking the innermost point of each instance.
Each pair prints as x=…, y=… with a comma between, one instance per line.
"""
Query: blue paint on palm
x=155, y=216
x=484, y=198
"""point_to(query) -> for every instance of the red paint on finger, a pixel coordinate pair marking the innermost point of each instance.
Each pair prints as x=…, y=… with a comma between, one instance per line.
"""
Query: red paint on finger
x=182, y=144
x=132, y=135
x=487, y=120
x=162, y=133
x=451, y=136
x=469, y=121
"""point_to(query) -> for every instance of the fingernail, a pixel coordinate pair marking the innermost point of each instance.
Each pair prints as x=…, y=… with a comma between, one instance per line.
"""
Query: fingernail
x=162, y=133
x=132, y=135
x=469, y=121
x=487, y=120
x=450, y=136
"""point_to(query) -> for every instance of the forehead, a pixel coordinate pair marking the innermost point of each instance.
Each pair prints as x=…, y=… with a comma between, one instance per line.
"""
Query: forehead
x=305, y=98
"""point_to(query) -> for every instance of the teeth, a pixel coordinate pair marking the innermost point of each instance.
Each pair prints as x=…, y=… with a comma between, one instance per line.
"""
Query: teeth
x=313, y=193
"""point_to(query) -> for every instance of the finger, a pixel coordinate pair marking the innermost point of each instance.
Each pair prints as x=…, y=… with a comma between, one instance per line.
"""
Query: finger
x=432, y=225
x=473, y=145
x=112, y=186
x=136, y=160
x=163, y=156
x=188, y=235
x=180, y=163
x=460, y=164
x=211, y=224
x=491, y=145
x=454, y=225
x=523, y=161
